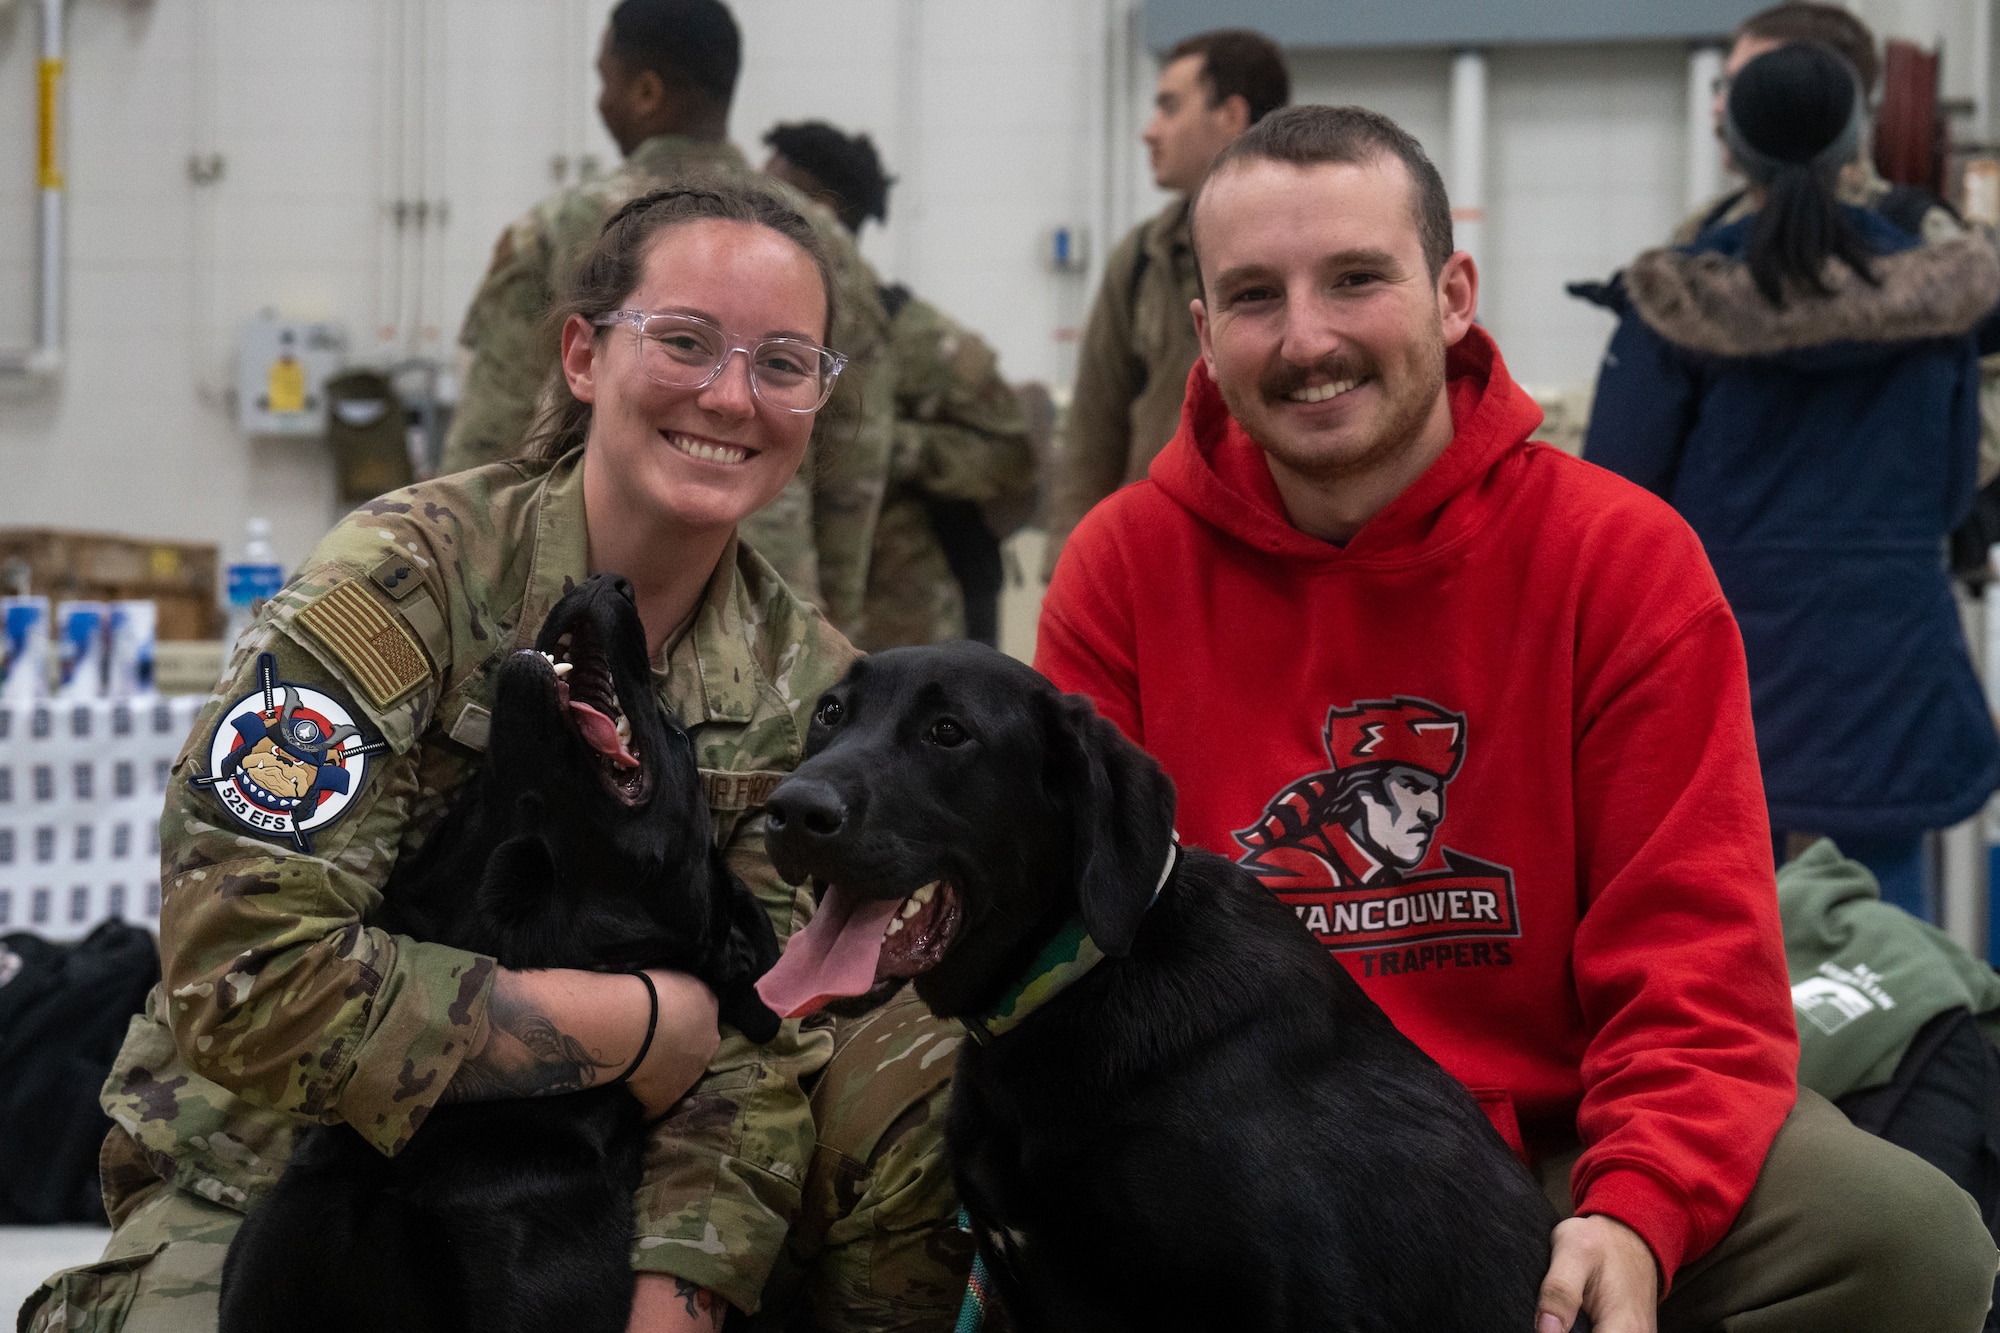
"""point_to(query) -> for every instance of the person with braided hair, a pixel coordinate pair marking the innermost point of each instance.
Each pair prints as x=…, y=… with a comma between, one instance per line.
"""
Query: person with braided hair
x=1802, y=384
x=285, y=1004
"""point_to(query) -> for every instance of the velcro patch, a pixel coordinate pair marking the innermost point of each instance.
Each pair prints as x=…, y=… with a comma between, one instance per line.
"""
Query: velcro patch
x=727, y=791
x=375, y=646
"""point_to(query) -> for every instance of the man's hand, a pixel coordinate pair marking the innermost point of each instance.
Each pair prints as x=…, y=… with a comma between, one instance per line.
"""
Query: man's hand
x=664, y=1304
x=1602, y=1267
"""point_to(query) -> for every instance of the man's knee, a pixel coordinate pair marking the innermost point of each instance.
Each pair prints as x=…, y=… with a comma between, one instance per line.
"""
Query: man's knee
x=1921, y=1235
x=1865, y=1223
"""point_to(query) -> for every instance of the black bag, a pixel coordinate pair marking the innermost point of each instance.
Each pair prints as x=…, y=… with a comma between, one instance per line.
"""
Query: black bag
x=1944, y=1105
x=63, y=1014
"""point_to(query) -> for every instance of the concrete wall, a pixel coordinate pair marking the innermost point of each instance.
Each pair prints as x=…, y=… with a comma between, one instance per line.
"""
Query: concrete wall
x=1002, y=120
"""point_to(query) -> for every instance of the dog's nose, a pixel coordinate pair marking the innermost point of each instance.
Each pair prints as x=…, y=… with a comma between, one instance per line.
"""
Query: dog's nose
x=808, y=808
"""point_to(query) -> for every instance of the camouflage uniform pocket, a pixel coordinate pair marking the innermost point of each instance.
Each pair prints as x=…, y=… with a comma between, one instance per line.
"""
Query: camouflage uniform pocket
x=92, y=1299
x=162, y=1273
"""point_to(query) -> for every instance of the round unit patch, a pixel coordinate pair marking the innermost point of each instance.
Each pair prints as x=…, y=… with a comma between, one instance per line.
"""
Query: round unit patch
x=286, y=759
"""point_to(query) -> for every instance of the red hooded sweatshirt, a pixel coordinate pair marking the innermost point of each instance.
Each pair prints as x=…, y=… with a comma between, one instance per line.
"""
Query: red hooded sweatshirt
x=1496, y=752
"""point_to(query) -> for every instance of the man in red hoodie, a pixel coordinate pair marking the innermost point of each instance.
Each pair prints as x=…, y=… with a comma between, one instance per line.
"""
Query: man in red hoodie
x=1478, y=711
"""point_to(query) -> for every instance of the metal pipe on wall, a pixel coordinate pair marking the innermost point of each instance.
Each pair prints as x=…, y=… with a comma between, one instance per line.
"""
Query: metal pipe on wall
x=44, y=359
x=1704, y=151
x=1468, y=151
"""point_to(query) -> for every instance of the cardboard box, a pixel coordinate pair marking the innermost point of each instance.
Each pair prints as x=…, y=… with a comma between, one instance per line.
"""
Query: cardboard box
x=179, y=578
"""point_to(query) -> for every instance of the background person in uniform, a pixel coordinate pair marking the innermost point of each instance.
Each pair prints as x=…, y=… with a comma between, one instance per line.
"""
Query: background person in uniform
x=1353, y=553
x=669, y=71
x=1802, y=385
x=1139, y=341
x=282, y=1006
x=962, y=473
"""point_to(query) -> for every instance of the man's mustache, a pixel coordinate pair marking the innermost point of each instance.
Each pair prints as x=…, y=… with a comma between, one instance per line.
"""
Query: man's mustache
x=1285, y=378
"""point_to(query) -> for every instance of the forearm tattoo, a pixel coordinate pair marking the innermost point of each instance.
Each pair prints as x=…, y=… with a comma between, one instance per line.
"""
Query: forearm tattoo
x=699, y=1302
x=525, y=1055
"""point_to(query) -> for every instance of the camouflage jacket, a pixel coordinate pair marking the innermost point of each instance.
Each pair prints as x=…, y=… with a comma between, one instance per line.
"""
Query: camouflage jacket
x=282, y=1005
x=960, y=435
x=1131, y=371
x=817, y=532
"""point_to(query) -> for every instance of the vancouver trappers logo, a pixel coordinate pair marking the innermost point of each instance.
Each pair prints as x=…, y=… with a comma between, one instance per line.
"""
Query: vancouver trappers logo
x=1344, y=847
x=286, y=759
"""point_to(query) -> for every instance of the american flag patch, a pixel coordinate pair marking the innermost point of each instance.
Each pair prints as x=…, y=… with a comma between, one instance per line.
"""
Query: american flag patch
x=379, y=651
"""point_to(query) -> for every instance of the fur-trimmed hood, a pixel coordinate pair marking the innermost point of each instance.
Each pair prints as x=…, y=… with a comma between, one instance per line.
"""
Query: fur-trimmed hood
x=1706, y=302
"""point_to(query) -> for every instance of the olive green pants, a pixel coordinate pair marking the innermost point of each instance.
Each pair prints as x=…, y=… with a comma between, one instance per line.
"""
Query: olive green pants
x=1843, y=1233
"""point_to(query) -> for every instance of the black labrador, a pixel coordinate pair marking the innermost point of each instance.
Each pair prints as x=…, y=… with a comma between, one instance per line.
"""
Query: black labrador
x=583, y=843
x=1214, y=1127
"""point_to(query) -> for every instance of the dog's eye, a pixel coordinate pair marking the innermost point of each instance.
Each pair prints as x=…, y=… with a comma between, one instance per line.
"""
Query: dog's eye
x=830, y=712
x=947, y=733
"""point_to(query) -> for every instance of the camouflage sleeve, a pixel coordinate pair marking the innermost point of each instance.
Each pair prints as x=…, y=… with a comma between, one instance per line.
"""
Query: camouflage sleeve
x=1097, y=438
x=782, y=532
x=1989, y=418
x=851, y=448
x=511, y=358
x=878, y=1248
x=277, y=988
x=961, y=433
x=723, y=1170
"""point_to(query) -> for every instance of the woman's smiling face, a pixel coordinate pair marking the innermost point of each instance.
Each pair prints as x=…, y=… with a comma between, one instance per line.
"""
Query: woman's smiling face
x=706, y=457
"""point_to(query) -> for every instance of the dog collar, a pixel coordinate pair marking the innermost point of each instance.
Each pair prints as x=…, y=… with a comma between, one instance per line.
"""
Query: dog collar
x=1056, y=968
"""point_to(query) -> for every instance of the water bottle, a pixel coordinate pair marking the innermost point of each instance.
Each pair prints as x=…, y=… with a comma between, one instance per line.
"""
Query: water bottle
x=254, y=577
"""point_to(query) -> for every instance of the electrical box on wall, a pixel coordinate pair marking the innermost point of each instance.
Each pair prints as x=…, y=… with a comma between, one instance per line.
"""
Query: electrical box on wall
x=282, y=367
x=1066, y=249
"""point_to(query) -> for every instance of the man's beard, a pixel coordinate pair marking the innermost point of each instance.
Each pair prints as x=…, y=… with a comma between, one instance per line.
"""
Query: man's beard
x=1408, y=400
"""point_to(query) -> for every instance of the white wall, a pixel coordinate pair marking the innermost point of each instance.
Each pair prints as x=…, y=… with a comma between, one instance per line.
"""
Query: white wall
x=1002, y=120
x=326, y=111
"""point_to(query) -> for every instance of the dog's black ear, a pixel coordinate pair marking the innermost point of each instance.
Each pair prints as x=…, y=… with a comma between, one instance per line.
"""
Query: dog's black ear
x=1123, y=805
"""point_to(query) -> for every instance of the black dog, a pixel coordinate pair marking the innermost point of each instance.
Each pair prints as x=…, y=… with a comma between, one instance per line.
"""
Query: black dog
x=584, y=843
x=1214, y=1128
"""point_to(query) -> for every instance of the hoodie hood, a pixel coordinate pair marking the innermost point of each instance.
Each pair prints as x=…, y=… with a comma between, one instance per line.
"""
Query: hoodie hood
x=1213, y=467
x=1705, y=301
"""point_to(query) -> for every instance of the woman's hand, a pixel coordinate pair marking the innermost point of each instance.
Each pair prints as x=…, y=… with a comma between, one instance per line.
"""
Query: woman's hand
x=684, y=1041
x=560, y=1030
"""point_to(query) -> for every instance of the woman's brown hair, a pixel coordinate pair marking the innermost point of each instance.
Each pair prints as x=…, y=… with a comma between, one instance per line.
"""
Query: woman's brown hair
x=611, y=269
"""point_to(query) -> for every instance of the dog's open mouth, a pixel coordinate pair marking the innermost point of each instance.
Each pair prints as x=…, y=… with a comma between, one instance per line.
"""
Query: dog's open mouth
x=589, y=698
x=854, y=942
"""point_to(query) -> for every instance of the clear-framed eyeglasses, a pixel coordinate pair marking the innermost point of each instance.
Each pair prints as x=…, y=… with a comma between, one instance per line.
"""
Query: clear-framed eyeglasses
x=688, y=352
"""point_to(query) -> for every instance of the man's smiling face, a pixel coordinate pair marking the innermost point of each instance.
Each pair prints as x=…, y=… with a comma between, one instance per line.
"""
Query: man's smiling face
x=1321, y=322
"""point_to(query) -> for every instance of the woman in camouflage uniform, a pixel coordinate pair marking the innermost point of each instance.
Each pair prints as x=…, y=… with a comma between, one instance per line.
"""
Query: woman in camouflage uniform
x=282, y=1006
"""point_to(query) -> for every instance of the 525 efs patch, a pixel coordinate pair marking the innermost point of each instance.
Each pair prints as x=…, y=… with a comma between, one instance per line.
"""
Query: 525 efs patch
x=286, y=759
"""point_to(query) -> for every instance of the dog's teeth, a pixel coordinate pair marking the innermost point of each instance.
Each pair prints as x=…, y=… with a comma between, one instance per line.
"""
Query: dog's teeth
x=562, y=668
x=924, y=894
x=911, y=906
x=895, y=924
x=624, y=730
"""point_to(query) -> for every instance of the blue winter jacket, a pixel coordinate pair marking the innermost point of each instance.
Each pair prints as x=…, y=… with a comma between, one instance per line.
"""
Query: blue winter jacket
x=1822, y=450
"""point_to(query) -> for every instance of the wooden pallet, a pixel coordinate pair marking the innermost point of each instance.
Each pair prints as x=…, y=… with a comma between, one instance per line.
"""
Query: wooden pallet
x=180, y=578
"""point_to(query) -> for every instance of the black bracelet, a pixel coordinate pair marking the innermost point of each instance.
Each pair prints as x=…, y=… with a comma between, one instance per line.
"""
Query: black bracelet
x=652, y=1022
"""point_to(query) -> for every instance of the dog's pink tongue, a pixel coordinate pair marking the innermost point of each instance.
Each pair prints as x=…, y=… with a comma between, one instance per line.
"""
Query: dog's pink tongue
x=601, y=733
x=833, y=956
